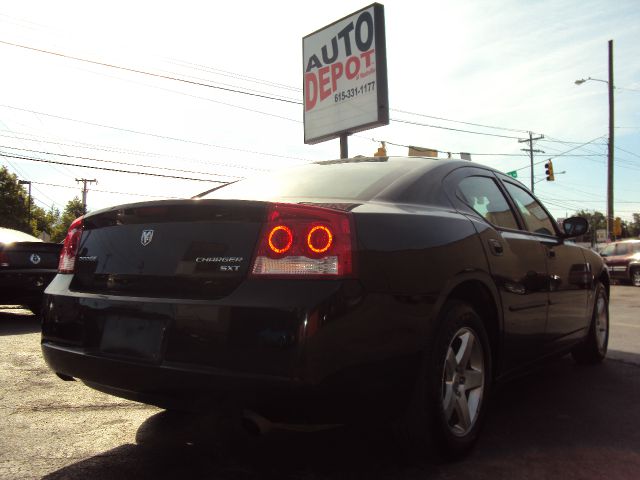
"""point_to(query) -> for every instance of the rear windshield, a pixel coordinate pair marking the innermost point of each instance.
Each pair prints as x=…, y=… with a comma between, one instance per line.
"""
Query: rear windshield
x=353, y=179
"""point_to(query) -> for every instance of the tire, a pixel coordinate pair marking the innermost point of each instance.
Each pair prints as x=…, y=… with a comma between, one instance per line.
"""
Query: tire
x=35, y=307
x=452, y=392
x=594, y=347
x=635, y=277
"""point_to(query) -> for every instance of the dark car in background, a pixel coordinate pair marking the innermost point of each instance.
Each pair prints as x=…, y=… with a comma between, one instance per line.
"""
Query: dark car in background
x=364, y=289
x=27, y=265
x=623, y=261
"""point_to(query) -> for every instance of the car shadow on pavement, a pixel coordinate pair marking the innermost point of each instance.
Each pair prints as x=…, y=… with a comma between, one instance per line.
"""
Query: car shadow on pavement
x=14, y=320
x=561, y=420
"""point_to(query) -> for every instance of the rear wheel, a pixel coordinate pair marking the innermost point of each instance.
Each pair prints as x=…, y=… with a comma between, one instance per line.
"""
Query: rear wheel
x=35, y=307
x=635, y=277
x=453, y=391
x=594, y=347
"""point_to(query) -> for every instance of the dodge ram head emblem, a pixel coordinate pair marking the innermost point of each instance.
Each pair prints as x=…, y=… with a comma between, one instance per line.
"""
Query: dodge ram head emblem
x=147, y=236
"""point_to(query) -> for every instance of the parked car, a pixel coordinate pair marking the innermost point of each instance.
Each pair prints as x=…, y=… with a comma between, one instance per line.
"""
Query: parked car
x=623, y=260
x=27, y=265
x=367, y=289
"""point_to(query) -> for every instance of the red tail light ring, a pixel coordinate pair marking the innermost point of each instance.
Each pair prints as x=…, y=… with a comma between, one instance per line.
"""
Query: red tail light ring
x=319, y=239
x=280, y=239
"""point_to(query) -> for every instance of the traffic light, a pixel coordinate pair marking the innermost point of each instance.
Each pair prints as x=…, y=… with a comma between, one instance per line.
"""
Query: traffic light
x=548, y=170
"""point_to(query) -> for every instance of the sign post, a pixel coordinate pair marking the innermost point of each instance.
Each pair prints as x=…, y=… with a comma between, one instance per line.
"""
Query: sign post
x=345, y=77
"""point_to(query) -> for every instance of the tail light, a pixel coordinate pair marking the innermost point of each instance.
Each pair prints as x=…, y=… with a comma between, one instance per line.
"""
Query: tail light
x=70, y=248
x=4, y=260
x=305, y=241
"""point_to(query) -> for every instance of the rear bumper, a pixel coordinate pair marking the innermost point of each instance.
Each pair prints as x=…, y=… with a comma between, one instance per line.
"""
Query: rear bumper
x=619, y=271
x=169, y=385
x=316, y=352
x=24, y=286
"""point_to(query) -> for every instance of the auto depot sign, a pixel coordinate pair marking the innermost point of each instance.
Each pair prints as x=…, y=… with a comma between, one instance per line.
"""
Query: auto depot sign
x=345, y=76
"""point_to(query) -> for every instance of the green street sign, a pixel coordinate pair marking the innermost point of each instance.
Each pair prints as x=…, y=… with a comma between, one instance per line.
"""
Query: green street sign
x=513, y=174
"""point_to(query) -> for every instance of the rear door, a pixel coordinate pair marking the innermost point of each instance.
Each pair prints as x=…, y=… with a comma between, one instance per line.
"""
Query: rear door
x=516, y=259
x=569, y=273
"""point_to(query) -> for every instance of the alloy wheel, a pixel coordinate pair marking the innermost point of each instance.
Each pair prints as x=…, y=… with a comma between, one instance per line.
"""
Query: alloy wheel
x=602, y=321
x=463, y=381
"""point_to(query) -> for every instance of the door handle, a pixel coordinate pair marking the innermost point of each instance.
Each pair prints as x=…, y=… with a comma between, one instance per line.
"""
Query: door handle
x=496, y=247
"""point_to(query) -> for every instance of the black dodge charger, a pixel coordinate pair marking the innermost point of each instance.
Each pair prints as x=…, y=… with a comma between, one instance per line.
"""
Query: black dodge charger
x=386, y=288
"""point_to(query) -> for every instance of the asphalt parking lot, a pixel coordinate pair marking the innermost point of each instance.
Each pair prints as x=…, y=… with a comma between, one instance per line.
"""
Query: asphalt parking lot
x=562, y=421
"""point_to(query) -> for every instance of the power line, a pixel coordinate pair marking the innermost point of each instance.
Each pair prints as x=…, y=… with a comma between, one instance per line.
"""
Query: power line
x=238, y=76
x=555, y=156
x=276, y=97
x=108, y=169
x=105, y=148
x=104, y=191
x=450, y=128
x=477, y=153
x=627, y=151
x=116, y=162
x=286, y=100
x=458, y=121
x=196, y=96
x=143, y=72
x=137, y=132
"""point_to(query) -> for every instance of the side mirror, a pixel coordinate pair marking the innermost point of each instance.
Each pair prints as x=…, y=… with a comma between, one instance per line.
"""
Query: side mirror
x=575, y=226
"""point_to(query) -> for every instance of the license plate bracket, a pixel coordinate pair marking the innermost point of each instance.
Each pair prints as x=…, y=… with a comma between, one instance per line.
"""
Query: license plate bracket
x=131, y=337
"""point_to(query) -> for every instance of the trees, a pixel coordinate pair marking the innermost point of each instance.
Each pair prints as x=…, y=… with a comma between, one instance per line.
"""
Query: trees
x=14, y=210
x=633, y=227
x=13, y=203
x=72, y=210
x=597, y=221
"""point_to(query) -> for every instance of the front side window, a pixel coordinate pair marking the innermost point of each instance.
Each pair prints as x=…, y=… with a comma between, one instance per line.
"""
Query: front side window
x=535, y=218
x=483, y=195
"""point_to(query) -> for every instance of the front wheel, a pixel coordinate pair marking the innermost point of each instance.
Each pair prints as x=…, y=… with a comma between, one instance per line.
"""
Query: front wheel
x=594, y=347
x=453, y=391
x=635, y=277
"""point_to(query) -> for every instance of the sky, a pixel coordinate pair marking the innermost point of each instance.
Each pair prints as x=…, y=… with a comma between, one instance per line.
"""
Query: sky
x=497, y=69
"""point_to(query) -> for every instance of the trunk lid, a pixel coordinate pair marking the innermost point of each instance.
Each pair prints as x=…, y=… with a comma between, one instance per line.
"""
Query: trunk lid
x=30, y=255
x=198, y=249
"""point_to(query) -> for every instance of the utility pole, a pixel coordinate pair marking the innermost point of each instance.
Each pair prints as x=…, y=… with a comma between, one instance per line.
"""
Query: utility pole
x=84, y=191
x=610, y=217
x=531, y=150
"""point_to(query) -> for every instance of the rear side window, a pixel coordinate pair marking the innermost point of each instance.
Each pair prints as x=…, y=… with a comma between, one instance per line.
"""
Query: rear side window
x=483, y=195
x=535, y=218
x=623, y=249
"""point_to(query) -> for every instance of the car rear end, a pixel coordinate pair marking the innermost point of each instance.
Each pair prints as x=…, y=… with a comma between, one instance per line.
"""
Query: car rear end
x=190, y=304
x=26, y=268
x=623, y=261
